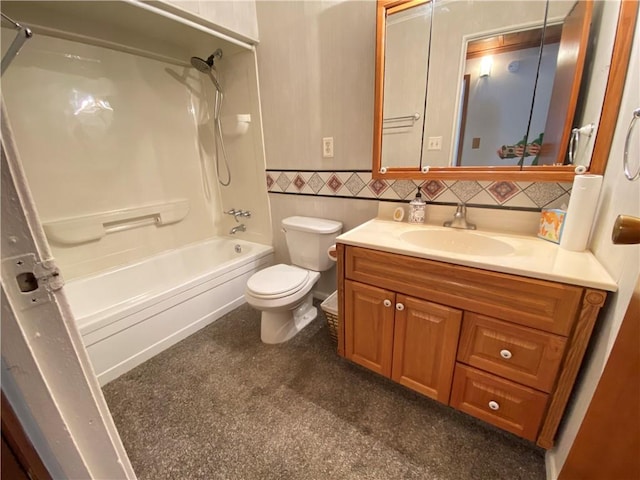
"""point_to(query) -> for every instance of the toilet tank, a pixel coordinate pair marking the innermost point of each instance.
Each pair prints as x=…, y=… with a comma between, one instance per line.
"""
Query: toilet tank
x=308, y=239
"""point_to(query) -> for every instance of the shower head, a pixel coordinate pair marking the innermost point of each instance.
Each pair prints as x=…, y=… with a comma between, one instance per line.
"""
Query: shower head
x=207, y=66
x=201, y=65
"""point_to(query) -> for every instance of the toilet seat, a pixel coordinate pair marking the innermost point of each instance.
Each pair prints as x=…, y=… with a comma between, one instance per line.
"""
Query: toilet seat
x=277, y=281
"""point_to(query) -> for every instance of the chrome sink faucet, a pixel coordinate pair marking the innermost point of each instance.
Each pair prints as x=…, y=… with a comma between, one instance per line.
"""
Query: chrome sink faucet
x=460, y=219
x=238, y=228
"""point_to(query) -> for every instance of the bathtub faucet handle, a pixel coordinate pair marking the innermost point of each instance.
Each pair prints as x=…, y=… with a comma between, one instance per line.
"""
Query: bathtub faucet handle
x=239, y=213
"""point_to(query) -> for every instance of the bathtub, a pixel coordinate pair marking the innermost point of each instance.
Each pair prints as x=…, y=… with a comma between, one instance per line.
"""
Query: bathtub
x=129, y=314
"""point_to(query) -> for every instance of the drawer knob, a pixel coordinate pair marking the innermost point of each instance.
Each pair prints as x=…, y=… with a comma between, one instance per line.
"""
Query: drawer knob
x=399, y=306
x=387, y=303
x=494, y=405
x=505, y=354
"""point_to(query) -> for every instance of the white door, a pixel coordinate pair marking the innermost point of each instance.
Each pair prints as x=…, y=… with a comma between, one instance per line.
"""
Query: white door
x=46, y=374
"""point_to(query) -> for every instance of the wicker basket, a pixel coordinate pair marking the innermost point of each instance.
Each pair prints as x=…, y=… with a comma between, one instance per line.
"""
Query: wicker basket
x=330, y=308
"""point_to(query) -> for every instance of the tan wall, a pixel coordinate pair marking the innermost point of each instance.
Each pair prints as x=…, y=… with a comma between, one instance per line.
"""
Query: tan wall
x=316, y=62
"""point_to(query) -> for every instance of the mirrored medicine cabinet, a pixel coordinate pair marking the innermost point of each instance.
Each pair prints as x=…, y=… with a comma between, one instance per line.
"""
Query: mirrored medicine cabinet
x=491, y=90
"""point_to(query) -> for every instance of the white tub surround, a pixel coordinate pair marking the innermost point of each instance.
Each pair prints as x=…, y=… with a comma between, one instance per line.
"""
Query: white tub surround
x=135, y=184
x=127, y=315
x=518, y=254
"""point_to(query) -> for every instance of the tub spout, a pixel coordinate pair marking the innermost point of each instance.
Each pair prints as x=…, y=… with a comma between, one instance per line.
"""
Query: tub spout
x=238, y=228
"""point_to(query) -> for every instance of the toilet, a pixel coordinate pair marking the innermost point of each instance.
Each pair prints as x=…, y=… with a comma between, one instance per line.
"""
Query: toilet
x=283, y=292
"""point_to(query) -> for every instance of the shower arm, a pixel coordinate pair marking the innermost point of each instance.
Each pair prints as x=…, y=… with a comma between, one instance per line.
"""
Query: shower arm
x=23, y=35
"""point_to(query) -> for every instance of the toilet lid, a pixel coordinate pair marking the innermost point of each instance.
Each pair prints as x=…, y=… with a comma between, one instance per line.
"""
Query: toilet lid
x=278, y=280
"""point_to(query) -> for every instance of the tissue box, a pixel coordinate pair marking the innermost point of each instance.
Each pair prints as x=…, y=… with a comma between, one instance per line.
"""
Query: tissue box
x=551, y=223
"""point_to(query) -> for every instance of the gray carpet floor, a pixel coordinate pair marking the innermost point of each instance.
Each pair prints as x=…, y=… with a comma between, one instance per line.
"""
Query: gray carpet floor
x=222, y=405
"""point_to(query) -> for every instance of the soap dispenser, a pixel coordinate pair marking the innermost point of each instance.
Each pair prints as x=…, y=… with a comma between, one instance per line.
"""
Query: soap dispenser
x=417, y=208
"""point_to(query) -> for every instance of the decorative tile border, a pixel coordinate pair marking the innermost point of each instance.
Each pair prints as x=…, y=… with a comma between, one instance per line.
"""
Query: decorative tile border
x=359, y=184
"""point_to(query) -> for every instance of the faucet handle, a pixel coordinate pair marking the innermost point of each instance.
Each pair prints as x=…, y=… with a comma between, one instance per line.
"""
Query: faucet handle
x=238, y=213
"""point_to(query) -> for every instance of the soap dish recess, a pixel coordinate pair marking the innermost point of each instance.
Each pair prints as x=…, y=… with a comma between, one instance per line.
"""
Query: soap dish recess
x=236, y=125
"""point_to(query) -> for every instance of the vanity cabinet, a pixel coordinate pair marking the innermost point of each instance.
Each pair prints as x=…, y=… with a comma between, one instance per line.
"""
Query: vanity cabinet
x=504, y=348
x=407, y=339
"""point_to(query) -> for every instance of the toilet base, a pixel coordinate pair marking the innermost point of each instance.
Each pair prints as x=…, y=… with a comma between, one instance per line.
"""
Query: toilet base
x=278, y=327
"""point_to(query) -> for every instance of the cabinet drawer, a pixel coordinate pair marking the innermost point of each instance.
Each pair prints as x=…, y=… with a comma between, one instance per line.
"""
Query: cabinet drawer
x=512, y=407
x=518, y=353
x=540, y=304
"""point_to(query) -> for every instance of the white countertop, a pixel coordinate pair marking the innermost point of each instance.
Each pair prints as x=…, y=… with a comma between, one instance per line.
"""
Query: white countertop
x=530, y=256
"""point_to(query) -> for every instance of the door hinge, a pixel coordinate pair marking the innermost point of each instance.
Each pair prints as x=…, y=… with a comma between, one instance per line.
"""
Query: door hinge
x=31, y=282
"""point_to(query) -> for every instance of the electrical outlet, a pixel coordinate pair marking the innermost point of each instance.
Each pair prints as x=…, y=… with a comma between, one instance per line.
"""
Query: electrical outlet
x=434, y=143
x=327, y=147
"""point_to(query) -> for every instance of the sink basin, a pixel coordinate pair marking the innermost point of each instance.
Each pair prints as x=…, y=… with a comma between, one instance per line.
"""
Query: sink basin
x=457, y=241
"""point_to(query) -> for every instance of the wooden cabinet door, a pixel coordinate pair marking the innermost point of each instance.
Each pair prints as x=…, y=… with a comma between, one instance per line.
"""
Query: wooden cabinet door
x=368, y=326
x=424, y=350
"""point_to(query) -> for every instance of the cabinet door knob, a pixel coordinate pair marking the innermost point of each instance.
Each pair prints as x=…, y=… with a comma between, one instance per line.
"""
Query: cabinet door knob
x=494, y=405
x=399, y=306
x=505, y=354
x=387, y=303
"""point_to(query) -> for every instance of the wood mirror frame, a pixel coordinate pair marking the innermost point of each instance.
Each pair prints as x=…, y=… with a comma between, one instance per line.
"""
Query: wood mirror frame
x=553, y=173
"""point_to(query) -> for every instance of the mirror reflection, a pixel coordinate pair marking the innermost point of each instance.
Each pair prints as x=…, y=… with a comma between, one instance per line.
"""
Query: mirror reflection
x=469, y=83
x=408, y=35
x=498, y=83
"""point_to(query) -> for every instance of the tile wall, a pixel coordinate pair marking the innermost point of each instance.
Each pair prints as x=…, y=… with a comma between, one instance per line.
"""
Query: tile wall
x=359, y=184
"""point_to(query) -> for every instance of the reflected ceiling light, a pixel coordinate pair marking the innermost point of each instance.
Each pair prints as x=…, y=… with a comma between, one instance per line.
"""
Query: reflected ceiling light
x=485, y=66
